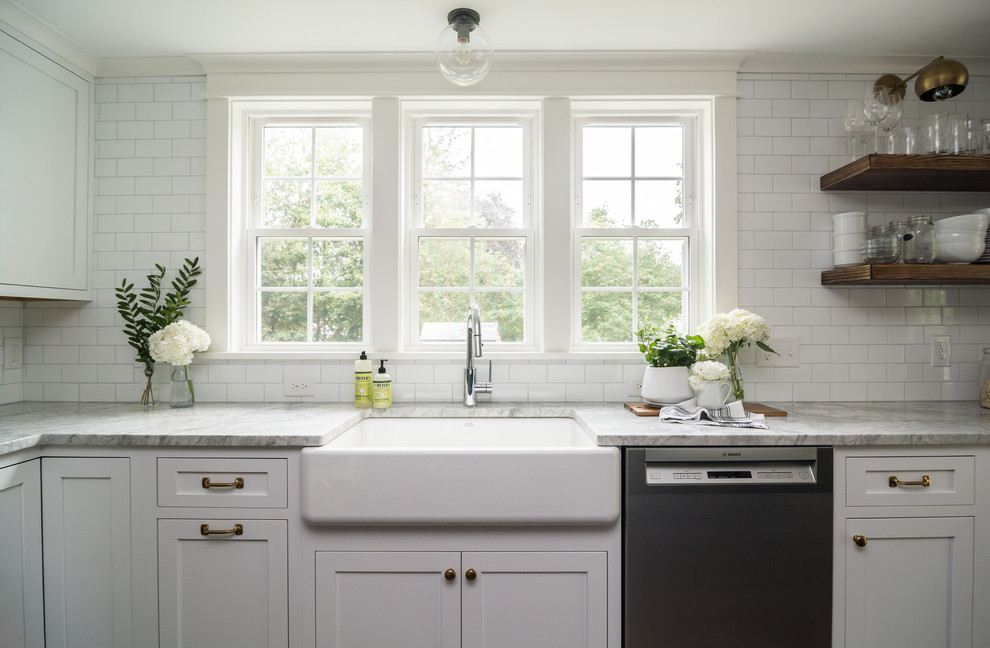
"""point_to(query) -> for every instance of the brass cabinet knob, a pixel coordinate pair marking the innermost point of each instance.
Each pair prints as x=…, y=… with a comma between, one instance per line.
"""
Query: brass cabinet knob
x=450, y=575
x=859, y=540
x=470, y=575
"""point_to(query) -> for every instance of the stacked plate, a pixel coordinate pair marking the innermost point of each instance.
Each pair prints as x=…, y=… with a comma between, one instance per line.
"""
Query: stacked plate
x=985, y=258
x=848, y=234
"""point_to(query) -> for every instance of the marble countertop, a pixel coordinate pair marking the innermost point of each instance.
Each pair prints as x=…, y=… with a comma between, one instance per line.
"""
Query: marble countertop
x=25, y=425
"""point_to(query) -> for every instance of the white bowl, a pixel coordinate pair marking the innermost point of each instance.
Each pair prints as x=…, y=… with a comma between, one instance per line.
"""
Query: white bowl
x=977, y=221
x=849, y=221
x=849, y=241
x=846, y=259
x=958, y=246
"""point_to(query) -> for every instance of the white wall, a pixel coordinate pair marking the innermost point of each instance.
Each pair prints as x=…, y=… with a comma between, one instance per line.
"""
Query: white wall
x=858, y=343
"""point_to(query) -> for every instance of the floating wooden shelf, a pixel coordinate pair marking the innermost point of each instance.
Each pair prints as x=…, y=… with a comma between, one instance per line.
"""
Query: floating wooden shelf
x=906, y=274
x=911, y=173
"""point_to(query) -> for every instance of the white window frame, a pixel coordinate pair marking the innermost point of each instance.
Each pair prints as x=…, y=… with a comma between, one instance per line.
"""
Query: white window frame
x=691, y=232
x=248, y=331
x=491, y=113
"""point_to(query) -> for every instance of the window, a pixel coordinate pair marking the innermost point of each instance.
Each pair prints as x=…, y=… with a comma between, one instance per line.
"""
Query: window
x=307, y=241
x=636, y=235
x=568, y=221
x=472, y=238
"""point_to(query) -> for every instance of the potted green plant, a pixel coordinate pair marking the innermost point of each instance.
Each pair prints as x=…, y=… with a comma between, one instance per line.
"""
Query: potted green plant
x=669, y=356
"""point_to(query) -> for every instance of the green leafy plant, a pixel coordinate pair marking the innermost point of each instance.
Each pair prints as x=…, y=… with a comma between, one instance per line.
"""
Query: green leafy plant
x=663, y=347
x=148, y=311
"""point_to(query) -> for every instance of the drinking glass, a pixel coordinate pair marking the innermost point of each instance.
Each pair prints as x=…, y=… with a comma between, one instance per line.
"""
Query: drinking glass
x=986, y=137
x=892, y=120
x=911, y=140
x=936, y=133
x=957, y=133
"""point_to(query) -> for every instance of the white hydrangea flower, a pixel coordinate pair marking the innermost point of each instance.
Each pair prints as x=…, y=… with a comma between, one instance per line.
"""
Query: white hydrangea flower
x=707, y=370
x=737, y=326
x=177, y=342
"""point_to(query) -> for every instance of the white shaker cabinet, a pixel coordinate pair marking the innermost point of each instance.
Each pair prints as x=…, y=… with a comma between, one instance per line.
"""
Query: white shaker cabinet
x=470, y=599
x=45, y=121
x=22, y=621
x=910, y=584
x=223, y=582
x=906, y=550
x=87, y=551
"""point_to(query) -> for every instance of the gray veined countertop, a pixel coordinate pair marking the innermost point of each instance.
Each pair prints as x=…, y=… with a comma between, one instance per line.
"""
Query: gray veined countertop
x=24, y=425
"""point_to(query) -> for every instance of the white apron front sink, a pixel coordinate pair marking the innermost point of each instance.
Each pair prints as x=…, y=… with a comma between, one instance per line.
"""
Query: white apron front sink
x=466, y=470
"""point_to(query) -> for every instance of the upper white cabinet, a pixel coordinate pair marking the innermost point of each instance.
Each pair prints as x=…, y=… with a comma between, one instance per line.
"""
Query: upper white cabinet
x=44, y=175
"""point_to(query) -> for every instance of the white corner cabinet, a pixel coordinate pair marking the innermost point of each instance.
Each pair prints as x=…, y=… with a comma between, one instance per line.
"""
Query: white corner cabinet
x=22, y=620
x=911, y=548
x=45, y=127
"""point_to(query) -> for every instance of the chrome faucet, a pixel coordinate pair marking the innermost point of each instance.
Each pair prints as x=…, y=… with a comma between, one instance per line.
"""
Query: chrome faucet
x=471, y=384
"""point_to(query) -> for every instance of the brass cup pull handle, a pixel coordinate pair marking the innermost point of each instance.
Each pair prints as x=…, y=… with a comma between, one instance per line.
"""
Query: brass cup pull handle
x=449, y=575
x=859, y=540
x=237, y=483
x=470, y=575
x=204, y=529
x=894, y=482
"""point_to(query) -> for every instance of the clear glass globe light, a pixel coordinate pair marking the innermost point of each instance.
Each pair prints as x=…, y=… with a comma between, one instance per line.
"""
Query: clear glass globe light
x=464, y=53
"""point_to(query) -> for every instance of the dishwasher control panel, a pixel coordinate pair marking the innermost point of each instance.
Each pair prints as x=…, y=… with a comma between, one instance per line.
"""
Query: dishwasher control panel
x=730, y=473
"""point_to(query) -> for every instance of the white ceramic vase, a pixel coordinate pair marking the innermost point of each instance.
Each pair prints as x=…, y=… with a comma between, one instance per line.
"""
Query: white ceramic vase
x=666, y=385
x=714, y=394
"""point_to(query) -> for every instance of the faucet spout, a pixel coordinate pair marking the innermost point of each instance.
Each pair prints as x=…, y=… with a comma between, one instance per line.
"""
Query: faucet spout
x=472, y=385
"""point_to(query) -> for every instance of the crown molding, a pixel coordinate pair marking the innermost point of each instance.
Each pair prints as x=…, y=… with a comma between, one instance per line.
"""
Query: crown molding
x=848, y=64
x=509, y=61
x=149, y=66
x=47, y=38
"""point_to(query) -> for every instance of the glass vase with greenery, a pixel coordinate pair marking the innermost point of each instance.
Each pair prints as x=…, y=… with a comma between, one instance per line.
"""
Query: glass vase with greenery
x=148, y=311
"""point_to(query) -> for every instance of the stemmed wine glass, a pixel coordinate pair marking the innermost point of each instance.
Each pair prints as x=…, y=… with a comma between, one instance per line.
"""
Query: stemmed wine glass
x=856, y=126
x=892, y=119
x=876, y=105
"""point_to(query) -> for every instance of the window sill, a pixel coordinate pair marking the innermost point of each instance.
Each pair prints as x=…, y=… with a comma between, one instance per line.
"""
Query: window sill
x=590, y=357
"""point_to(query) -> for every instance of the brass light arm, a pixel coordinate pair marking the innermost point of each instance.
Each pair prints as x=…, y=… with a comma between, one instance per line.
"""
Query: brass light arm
x=939, y=80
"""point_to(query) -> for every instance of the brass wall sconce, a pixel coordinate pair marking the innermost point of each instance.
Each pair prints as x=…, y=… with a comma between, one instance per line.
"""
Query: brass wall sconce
x=939, y=80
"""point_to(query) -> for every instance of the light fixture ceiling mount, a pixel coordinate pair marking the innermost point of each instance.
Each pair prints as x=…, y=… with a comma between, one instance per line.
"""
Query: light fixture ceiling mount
x=939, y=80
x=463, y=51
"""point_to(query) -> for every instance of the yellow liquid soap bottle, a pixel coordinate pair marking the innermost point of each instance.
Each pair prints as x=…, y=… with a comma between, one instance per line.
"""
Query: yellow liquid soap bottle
x=362, y=381
x=382, y=388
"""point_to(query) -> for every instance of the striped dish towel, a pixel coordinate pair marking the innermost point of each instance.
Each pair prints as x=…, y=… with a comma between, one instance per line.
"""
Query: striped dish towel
x=731, y=415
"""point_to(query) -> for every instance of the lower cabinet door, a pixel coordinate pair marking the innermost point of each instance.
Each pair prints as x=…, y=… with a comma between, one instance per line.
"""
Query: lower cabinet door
x=223, y=583
x=388, y=599
x=22, y=620
x=535, y=600
x=910, y=584
x=86, y=520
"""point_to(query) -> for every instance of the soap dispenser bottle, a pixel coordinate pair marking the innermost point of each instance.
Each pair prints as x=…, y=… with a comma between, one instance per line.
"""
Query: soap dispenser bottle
x=382, y=388
x=362, y=381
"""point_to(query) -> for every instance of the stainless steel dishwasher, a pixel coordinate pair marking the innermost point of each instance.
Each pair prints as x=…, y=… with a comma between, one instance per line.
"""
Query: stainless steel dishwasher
x=727, y=547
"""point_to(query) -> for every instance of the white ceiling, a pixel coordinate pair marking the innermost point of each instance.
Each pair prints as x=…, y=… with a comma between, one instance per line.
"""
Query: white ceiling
x=153, y=28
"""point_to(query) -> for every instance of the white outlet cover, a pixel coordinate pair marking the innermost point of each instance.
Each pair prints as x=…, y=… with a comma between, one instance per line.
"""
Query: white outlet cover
x=13, y=353
x=788, y=353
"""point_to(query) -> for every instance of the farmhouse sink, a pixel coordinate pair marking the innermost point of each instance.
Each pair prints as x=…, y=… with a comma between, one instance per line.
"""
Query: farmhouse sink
x=463, y=470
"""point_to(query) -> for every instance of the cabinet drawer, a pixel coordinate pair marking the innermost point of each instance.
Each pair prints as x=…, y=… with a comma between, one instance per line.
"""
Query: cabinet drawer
x=261, y=483
x=869, y=479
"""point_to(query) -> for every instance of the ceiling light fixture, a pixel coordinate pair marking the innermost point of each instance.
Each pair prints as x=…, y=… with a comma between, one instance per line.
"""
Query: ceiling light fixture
x=464, y=53
x=937, y=81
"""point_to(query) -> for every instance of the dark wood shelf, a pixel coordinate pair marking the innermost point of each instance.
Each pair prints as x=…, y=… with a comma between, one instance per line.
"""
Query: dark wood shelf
x=908, y=274
x=911, y=173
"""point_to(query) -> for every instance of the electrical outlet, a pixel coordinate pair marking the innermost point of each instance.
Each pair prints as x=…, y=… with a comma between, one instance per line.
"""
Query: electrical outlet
x=635, y=388
x=13, y=353
x=788, y=353
x=298, y=387
x=941, y=351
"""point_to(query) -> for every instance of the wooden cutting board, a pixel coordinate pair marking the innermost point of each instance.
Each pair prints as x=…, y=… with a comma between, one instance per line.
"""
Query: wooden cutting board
x=644, y=409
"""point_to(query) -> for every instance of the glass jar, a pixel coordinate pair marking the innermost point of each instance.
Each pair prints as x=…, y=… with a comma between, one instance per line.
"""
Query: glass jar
x=882, y=246
x=985, y=379
x=918, y=240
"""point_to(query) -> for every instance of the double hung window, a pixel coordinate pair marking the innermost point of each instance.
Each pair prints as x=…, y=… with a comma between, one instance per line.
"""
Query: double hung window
x=471, y=235
x=636, y=233
x=307, y=241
